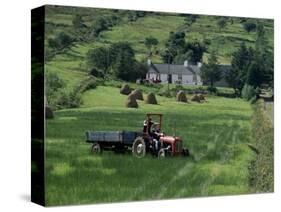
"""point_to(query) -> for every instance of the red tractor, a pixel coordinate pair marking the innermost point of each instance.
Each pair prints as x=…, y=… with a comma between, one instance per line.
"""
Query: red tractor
x=151, y=140
x=155, y=141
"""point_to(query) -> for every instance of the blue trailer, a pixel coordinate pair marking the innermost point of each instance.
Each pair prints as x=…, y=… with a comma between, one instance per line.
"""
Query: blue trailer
x=118, y=141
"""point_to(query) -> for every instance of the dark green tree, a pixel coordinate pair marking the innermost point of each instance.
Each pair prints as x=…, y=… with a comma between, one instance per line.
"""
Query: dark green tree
x=150, y=42
x=169, y=55
x=255, y=74
x=64, y=39
x=100, y=58
x=99, y=25
x=262, y=61
x=195, y=51
x=249, y=26
x=53, y=43
x=124, y=66
x=176, y=41
x=237, y=75
x=211, y=72
x=121, y=48
x=174, y=46
x=132, y=16
x=222, y=22
x=190, y=19
x=140, y=14
x=60, y=41
x=140, y=70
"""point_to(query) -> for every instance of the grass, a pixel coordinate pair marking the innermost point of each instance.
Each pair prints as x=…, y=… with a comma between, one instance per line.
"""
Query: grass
x=216, y=133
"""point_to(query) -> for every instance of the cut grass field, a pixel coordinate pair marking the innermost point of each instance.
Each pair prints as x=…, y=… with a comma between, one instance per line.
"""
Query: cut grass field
x=216, y=132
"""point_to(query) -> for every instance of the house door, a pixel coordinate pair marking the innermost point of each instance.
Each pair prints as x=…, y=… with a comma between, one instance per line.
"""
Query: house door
x=169, y=78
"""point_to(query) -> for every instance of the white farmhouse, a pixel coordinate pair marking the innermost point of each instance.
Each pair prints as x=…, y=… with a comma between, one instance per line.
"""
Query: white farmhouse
x=185, y=74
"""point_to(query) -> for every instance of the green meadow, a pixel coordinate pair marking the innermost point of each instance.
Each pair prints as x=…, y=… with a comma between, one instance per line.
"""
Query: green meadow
x=216, y=132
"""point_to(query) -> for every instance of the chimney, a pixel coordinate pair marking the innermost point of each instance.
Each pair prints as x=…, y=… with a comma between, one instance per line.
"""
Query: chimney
x=199, y=64
x=185, y=63
x=148, y=62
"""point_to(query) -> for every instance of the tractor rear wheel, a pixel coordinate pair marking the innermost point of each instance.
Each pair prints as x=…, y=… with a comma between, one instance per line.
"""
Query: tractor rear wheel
x=139, y=148
x=161, y=153
x=96, y=148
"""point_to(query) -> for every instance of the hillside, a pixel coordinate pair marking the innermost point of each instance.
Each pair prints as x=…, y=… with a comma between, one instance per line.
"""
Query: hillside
x=70, y=63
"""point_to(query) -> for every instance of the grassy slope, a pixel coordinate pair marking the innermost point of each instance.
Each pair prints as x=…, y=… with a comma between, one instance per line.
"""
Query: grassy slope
x=135, y=32
x=72, y=60
x=216, y=133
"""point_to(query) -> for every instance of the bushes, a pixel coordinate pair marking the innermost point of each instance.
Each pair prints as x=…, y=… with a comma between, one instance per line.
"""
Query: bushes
x=96, y=73
x=248, y=92
x=227, y=95
x=68, y=100
x=60, y=41
x=88, y=83
x=212, y=89
x=261, y=169
x=73, y=99
x=165, y=92
x=57, y=95
x=53, y=84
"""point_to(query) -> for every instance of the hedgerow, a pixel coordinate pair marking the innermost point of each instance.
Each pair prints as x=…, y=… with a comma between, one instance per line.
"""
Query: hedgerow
x=261, y=168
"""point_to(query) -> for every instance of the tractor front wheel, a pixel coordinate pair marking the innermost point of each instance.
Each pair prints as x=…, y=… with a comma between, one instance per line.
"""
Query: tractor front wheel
x=96, y=148
x=139, y=148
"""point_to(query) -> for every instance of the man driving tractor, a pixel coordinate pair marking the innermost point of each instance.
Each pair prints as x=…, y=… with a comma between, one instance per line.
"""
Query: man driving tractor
x=147, y=124
x=155, y=134
x=153, y=130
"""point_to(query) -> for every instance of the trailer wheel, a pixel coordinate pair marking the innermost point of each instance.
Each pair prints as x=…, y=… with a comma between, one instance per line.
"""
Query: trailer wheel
x=161, y=153
x=96, y=148
x=139, y=148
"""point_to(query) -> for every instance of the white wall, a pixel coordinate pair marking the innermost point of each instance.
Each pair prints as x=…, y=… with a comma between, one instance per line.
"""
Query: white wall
x=164, y=78
x=151, y=76
x=187, y=79
x=199, y=79
x=174, y=78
